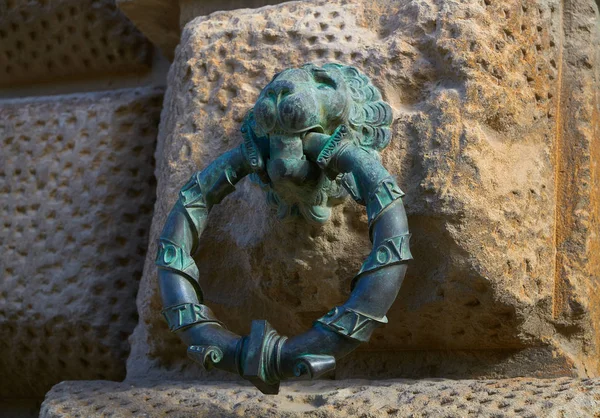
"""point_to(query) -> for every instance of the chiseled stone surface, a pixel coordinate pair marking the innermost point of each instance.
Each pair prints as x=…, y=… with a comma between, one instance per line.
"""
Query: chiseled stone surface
x=478, y=128
x=46, y=40
x=554, y=398
x=77, y=186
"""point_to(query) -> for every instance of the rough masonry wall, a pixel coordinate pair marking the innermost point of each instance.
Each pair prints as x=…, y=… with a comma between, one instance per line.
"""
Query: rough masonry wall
x=42, y=40
x=476, y=88
x=76, y=176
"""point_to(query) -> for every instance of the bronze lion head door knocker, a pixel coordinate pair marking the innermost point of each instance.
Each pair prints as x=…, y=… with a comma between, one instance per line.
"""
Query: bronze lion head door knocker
x=311, y=140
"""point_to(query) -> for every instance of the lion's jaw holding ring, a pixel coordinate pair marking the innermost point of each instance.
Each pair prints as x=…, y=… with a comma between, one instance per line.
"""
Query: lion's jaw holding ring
x=306, y=100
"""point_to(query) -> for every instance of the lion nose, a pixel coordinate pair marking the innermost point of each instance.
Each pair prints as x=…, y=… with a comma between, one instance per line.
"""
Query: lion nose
x=280, y=89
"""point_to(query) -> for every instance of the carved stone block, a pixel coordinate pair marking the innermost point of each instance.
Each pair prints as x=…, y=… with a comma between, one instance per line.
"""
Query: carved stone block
x=66, y=40
x=76, y=176
x=493, y=143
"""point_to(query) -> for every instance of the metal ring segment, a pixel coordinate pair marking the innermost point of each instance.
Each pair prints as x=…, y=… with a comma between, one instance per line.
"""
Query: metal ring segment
x=265, y=357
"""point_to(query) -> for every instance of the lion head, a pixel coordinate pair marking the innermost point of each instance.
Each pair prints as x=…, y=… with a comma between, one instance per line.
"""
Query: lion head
x=298, y=101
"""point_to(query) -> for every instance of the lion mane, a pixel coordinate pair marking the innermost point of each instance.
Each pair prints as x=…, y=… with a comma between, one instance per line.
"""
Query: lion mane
x=368, y=117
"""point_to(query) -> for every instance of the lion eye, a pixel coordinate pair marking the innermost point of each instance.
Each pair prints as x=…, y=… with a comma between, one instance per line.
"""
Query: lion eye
x=325, y=80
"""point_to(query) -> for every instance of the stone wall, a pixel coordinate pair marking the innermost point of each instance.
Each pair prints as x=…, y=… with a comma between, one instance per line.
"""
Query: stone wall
x=495, y=140
x=77, y=186
x=49, y=40
x=481, y=91
x=78, y=174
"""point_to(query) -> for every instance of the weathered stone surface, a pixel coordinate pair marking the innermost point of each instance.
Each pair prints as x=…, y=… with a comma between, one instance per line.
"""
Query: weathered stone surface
x=355, y=398
x=538, y=362
x=161, y=20
x=157, y=19
x=76, y=176
x=577, y=168
x=191, y=9
x=43, y=40
x=480, y=100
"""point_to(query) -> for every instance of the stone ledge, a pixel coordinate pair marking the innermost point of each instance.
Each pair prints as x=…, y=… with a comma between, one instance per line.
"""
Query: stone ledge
x=522, y=397
x=161, y=20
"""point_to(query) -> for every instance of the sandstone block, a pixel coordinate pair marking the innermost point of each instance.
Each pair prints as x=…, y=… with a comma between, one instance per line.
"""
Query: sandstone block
x=76, y=176
x=487, y=97
x=44, y=40
x=390, y=398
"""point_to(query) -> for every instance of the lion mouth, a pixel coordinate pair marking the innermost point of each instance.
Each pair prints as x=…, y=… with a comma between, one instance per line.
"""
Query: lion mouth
x=302, y=132
x=315, y=129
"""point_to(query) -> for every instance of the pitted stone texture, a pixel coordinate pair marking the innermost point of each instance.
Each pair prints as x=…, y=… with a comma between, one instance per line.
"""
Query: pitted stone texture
x=76, y=176
x=475, y=92
x=354, y=398
x=190, y=9
x=161, y=20
x=43, y=40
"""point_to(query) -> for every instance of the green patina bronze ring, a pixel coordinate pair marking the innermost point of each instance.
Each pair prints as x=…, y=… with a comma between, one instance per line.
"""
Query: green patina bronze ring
x=312, y=138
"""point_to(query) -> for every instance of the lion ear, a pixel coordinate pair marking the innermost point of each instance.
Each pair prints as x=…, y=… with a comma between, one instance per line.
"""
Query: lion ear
x=247, y=122
x=249, y=125
x=351, y=72
x=250, y=129
x=333, y=66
